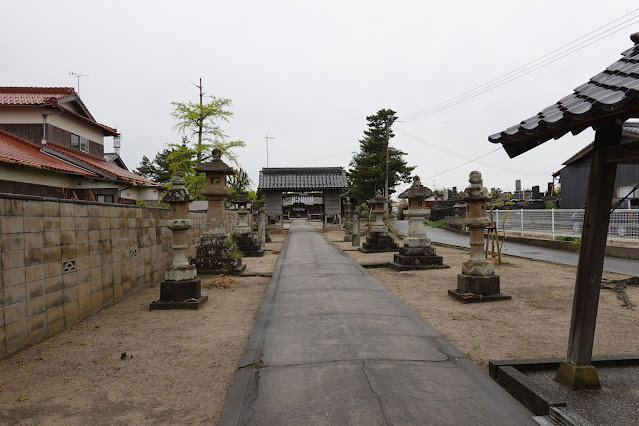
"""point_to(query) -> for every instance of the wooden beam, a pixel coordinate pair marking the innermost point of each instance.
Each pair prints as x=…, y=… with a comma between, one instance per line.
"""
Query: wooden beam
x=627, y=153
x=593, y=244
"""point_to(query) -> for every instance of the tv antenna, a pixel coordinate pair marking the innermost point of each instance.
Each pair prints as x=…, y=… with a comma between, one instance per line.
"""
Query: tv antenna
x=76, y=75
x=267, y=137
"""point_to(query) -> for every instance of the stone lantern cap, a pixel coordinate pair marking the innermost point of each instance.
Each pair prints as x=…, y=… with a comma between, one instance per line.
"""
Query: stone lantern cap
x=417, y=190
x=216, y=165
x=379, y=199
x=476, y=190
x=179, y=193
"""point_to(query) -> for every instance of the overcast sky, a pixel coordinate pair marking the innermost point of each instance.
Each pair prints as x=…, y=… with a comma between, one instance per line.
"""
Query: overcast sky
x=309, y=72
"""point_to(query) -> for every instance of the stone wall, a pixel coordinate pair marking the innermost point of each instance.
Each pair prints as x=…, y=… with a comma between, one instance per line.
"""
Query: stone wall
x=62, y=261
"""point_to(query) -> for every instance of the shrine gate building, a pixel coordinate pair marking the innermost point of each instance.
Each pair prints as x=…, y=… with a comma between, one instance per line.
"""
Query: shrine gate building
x=303, y=192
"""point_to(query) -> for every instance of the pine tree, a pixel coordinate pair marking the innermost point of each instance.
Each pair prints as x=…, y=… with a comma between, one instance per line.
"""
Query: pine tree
x=367, y=168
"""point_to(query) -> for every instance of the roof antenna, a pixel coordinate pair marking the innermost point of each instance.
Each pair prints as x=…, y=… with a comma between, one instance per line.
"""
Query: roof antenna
x=72, y=74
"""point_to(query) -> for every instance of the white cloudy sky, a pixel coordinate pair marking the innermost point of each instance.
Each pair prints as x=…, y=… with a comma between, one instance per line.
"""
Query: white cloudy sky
x=309, y=72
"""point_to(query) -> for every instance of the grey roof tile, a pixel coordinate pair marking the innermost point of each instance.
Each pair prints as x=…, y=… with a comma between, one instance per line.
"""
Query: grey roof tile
x=302, y=179
x=608, y=92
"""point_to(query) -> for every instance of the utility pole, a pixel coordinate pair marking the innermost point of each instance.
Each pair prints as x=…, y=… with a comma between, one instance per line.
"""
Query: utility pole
x=267, y=137
x=72, y=74
x=200, y=122
x=386, y=179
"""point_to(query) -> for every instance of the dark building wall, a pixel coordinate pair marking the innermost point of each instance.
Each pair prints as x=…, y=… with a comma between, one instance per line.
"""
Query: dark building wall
x=574, y=181
x=29, y=132
x=34, y=133
x=332, y=202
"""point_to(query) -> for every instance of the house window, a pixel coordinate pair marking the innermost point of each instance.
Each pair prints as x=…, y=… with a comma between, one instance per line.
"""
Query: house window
x=79, y=143
x=624, y=190
x=106, y=198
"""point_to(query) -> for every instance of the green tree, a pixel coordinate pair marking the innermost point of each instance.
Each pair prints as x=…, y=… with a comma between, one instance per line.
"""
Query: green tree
x=157, y=170
x=239, y=184
x=367, y=168
x=202, y=120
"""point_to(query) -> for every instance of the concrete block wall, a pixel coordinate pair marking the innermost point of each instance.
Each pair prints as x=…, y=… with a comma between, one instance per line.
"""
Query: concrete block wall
x=62, y=261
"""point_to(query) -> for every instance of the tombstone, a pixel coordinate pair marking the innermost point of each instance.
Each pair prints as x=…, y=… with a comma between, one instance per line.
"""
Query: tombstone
x=455, y=195
x=245, y=241
x=536, y=195
x=379, y=239
x=477, y=282
x=213, y=255
x=180, y=288
x=356, y=231
x=519, y=195
x=417, y=252
x=261, y=225
x=348, y=224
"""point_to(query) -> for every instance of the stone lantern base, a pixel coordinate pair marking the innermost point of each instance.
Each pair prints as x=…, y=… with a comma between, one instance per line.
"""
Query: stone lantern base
x=348, y=231
x=417, y=258
x=472, y=289
x=249, y=246
x=212, y=257
x=180, y=295
x=378, y=242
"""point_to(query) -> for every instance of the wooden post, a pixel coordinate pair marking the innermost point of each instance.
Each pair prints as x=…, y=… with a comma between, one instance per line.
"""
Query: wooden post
x=577, y=372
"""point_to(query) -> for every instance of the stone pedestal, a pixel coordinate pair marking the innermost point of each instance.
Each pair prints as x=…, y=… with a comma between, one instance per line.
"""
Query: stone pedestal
x=477, y=282
x=417, y=252
x=180, y=289
x=379, y=239
x=214, y=255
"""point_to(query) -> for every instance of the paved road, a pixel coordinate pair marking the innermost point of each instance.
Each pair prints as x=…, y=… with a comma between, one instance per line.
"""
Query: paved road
x=333, y=346
x=611, y=264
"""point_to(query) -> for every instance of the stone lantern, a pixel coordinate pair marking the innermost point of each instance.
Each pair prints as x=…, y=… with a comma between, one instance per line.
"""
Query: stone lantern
x=477, y=282
x=379, y=239
x=213, y=255
x=180, y=289
x=417, y=252
x=249, y=246
x=348, y=224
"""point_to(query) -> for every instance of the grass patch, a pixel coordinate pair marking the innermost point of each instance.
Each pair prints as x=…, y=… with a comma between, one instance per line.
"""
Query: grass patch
x=570, y=239
x=435, y=223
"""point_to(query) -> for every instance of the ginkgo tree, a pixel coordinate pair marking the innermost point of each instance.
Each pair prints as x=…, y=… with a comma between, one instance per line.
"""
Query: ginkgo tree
x=203, y=120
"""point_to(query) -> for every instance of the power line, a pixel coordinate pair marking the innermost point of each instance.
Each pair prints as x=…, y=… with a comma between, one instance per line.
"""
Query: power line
x=527, y=68
x=458, y=155
x=462, y=165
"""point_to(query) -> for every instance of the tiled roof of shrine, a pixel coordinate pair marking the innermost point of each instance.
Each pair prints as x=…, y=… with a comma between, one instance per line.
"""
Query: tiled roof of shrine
x=302, y=179
x=613, y=93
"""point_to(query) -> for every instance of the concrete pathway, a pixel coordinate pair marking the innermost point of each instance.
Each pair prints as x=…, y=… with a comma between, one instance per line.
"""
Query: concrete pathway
x=332, y=346
x=444, y=236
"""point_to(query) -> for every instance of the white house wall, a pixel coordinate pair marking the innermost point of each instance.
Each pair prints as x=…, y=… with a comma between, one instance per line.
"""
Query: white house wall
x=74, y=126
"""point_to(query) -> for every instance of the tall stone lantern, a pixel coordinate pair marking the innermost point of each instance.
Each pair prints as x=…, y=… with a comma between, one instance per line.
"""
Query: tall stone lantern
x=248, y=245
x=180, y=289
x=379, y=239
x=477, y=282
x=213, y=255
x=417, y=252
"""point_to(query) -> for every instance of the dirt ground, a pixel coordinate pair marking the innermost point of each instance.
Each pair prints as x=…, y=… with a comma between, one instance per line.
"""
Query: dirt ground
x=534, y=324
x=179, y=365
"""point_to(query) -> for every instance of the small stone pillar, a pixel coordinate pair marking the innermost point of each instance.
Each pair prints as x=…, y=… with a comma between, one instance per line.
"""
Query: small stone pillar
x=379, y=239
x=245, y=241
x=417, y=252
x=261, y=226
x=477, y=282
x=180, y=289
x=348, y=224
x=213, y=256
x=356, y=231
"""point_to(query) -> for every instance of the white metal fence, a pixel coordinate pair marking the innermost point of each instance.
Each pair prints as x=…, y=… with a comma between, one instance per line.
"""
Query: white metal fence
x=624, y=223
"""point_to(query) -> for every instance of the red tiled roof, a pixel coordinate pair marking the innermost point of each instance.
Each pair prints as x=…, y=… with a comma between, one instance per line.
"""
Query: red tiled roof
x=34, y=95
x=101, y=164
x=18, y=151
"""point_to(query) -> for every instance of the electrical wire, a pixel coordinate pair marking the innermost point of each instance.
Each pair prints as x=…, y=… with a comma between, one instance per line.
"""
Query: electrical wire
x=527, y=68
